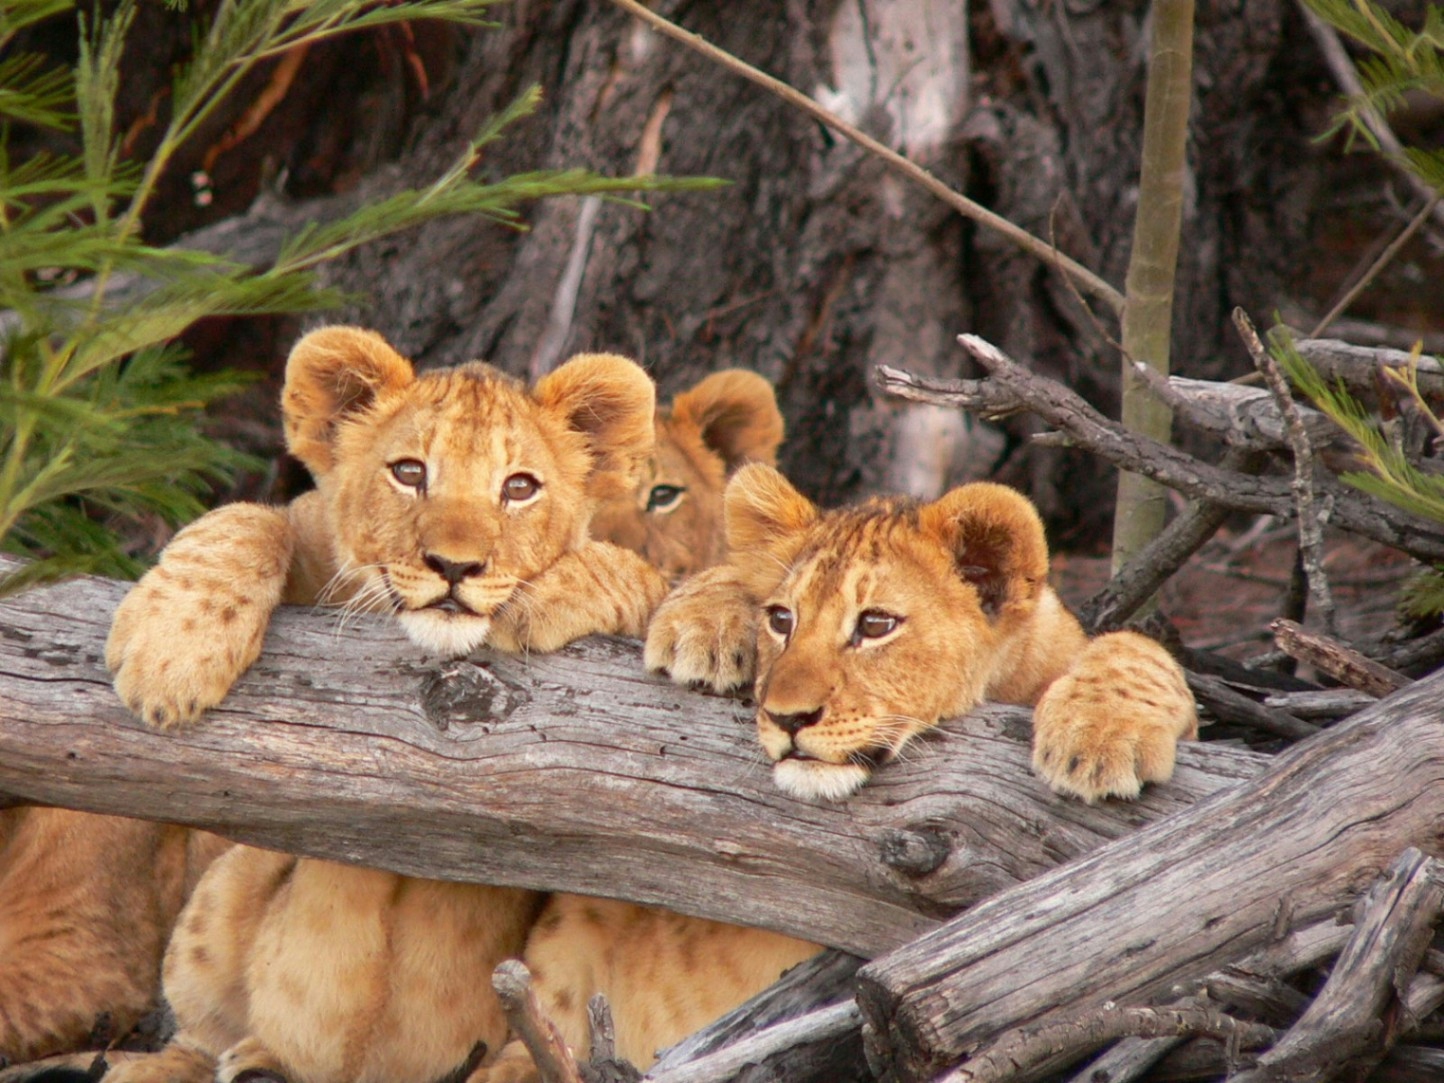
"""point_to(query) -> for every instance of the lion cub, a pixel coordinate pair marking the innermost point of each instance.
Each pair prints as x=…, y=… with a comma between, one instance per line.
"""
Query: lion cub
x=458, y=501
x=866, y=626
x=863, y=627
x=674, y=516
x=455, y=500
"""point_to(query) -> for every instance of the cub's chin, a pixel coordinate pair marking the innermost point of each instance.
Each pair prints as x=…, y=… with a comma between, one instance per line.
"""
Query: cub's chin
x=813, y=780
x=449, y=634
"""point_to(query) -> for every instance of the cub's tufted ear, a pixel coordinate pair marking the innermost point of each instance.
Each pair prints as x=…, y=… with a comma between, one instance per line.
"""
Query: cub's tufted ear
x=334, y=373
x=611, y=402
x=996, y=538
x=735, y=412
x=765, y=513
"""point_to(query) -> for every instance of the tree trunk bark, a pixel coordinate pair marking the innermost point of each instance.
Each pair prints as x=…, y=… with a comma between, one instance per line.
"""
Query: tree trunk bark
x=575, y=771
x=816, y=264
x=1133, y=920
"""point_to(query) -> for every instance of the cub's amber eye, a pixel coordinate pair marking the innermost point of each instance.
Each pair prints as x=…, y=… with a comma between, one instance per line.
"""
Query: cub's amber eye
x=780, y=620
x=874, y=624
x=664, y=497
x=410, y=472
x=520, y=488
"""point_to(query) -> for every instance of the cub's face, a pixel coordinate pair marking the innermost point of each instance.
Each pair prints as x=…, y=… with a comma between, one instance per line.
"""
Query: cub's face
x=887, y=618
x=673, y=516
x=449, y=491
x=450, y=496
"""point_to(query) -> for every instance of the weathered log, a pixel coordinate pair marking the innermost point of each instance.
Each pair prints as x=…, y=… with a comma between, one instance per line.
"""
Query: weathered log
x=1360, y=367
x=576, y=771
x=1349, y=1026
x=1133, y=920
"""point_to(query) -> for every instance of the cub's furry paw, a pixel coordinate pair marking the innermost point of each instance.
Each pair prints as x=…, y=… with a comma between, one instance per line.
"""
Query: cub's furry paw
x=705, y=633
x=1113, y=721
x=194, y=623
x=248, y=1062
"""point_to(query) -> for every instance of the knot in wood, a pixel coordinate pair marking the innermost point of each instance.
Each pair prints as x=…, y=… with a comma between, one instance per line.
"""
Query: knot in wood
x=467, y=693
x=915, y=852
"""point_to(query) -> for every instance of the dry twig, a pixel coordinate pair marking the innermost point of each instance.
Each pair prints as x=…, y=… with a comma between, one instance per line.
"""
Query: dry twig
x=1310, y=517
x=554, y=1061
x=1340, y=662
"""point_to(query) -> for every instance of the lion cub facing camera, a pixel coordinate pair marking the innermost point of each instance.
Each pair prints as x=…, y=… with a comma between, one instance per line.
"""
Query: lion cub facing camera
x=872, y=624
x=458, y=501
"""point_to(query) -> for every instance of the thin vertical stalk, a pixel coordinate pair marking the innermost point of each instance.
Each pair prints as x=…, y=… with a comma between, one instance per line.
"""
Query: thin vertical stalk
x=1148, y=307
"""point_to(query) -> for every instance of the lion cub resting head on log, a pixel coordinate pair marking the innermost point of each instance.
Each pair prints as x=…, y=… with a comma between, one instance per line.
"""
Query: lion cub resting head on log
x=674, y=515
x=459, y=501
x=871, y=624
x=455, y=499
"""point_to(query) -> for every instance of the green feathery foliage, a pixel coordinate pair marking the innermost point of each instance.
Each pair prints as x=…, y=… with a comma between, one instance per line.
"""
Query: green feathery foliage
x=98, y=410
x=1401, y=61
x=1388, y=472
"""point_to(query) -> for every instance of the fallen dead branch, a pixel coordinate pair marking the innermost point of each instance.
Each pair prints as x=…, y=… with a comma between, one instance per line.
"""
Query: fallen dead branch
x=576, y=771
x=1175, y=900
x=1342, y=663
x=1010, y=388
x=524, y=1017
x=1350, y=1024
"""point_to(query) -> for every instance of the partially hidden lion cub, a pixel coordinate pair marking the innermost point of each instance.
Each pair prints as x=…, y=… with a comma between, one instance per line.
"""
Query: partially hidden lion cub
x=86, y=905
x=458, y=501
x=674, y=515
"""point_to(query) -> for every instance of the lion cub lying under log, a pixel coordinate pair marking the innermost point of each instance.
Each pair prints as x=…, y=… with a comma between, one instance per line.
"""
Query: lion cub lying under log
x=873, y=623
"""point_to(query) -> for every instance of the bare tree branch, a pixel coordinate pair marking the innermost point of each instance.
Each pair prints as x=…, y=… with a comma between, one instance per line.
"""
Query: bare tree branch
x=575, y=771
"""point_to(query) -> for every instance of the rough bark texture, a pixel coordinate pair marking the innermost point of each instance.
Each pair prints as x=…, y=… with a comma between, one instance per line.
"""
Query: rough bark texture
x=575, y=771
x=1174, y=900
x=816, y=264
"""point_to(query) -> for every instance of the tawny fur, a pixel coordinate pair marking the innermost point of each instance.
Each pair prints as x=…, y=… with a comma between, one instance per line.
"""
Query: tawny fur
x=664, y=975
x=353, y=410
x=674, y=515
x=86, y=903
x=872, y=624
x=966, y=576
x=324, y=972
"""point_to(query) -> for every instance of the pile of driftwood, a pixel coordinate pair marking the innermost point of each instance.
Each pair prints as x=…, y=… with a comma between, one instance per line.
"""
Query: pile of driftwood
x=1268, y=916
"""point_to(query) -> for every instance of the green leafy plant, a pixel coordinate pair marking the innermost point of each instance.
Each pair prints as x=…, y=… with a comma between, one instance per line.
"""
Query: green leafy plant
x=98, y=409
x=1400, y=62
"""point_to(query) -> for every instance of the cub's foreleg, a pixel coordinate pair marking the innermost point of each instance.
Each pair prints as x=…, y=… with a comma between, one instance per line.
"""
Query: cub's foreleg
x=598, y=589
x=1113, y=720
x=194, y=623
